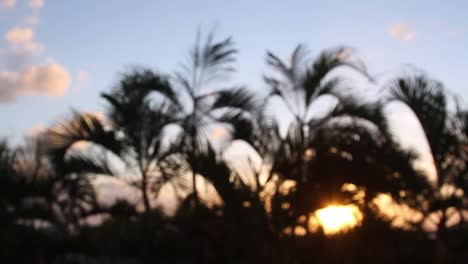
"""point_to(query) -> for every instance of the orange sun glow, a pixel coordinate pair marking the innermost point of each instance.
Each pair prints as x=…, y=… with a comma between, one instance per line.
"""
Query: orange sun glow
x=338, y=218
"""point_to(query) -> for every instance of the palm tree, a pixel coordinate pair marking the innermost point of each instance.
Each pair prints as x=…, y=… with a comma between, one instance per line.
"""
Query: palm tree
x=446, y=134
x=300, y=84
x=131, y=137
x=351, y=143
x=141, y=122
x=36, y=189
x=205, y=102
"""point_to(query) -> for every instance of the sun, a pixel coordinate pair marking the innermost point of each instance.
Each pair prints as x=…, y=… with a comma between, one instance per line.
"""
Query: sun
x=338, y=218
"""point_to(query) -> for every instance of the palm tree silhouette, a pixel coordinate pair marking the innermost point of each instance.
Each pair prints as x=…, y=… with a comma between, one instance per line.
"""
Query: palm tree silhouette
x=131, y=137
x=140, y=121
x=446, y=134
x=299, y=85
x=205, y=101
x=38, y=189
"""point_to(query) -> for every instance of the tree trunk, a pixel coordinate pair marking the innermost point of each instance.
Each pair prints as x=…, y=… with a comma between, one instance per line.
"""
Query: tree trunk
x=194, y=190
x=144, y=192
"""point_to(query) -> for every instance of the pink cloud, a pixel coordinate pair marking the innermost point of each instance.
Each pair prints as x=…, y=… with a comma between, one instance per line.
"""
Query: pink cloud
x=36, y=4
x=21, y=39
x=19, y=35
x=7, y=3
x=21, y=47
x=49, y=79
x=19, y=77
x=402, y=31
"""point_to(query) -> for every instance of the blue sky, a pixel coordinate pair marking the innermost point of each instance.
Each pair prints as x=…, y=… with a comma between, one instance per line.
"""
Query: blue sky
x=58, y=55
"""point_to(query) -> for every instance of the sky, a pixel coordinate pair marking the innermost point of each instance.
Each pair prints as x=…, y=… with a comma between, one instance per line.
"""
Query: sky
x=60, y=55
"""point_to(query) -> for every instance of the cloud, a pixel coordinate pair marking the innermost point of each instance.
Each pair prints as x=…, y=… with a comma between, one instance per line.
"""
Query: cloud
x=22, y=38
x=21, y=46
x=402, y=31
x=19, y=76
x=19, y=35
x=7, y=3
x=36, y=4
x=49, y=79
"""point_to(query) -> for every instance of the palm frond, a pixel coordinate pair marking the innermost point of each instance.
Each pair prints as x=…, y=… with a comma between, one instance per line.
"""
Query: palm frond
x=157, y=120
x=130, y=99
x=275, y=62
x=239, y=98
x=323, y=65
x=136, y=85
x=209, y=61
x=194, y=138
x=84, y=163
x=218, y=173
x=427, y=100
x=79, y=127
x=216, y=57
x=243, y=127
x=175, y=170
x=267, y=136
x=353, y=107
x=291, y=71
x=32, y=162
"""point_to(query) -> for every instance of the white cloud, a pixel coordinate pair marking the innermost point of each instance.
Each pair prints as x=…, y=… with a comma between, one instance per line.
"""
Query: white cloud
x=402, y=31
x=7, y=3
x=49, y=79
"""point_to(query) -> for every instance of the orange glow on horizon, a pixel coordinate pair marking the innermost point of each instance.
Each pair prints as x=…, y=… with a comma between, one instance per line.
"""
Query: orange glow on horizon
x=336, y=219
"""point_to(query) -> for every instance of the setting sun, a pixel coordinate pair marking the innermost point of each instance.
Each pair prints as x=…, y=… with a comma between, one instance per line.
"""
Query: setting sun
x=338, y=218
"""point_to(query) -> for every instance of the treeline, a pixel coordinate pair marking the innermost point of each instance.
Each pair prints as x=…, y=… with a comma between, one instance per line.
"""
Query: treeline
x=245, y=170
